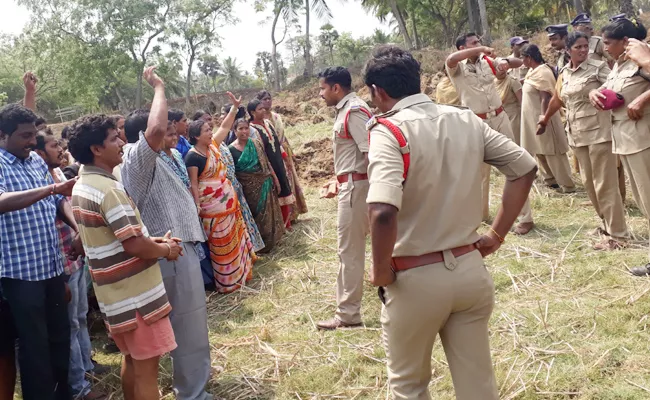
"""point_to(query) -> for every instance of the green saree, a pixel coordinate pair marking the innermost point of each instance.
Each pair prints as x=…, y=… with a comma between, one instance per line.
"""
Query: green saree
x=253, y=172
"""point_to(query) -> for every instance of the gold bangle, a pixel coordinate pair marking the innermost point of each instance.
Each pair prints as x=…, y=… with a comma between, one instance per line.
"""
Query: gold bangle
x=170, y=249
x=501, y=239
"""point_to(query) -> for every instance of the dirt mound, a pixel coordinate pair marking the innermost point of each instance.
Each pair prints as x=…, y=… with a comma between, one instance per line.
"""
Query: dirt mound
x=315, y=162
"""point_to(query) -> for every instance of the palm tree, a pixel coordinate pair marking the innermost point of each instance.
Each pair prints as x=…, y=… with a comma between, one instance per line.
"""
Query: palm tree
x=322, y=11
x=381, y=9
x=232, y=74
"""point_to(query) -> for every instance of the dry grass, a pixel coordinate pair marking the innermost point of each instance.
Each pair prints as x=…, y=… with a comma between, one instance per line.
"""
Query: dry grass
x=569, y=322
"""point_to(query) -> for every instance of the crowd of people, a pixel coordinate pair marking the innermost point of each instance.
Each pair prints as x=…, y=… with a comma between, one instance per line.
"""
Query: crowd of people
x=162, y=210
x=590, y=103
x=156, y=209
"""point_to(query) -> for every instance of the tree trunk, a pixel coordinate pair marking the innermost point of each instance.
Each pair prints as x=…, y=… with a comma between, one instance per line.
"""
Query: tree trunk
x=309, y=66
x=473, y=16
x=628, y=8
x=138, y=91
x=484, y=23
x=188, y=81
x=416, y=36
x=397, y=13
x=274, y=54
x=578, y=5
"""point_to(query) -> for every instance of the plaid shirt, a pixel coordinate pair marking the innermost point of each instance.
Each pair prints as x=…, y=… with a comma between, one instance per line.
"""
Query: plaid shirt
x=29, y=241
x=66, y=234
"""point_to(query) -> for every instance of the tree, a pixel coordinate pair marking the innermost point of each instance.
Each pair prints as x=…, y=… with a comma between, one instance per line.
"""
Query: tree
x=210, y=66
x=352, y=51
x=196, y=25
x=328, y=38
x=322, y=11
x=263, y=67
x=287, y=9
x=233, y=77
x=128, y=25
x=379, y=37
x=627, y=7
x=382, y=8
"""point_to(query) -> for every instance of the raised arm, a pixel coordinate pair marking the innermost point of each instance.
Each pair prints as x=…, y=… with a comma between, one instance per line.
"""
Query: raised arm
x=455, y=58
x=30, y=81
x=227, y=123
x=157, y=123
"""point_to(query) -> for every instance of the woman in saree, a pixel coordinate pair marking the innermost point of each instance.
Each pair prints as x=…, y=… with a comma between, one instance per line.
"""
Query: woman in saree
x=260, y=185
x=290, y=160
x=275, y=154
x=231, y=249
x=253, y=231
x=552, y=146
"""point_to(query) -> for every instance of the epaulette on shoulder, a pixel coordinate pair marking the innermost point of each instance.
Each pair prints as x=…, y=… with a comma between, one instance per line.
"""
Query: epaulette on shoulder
x=373, y=120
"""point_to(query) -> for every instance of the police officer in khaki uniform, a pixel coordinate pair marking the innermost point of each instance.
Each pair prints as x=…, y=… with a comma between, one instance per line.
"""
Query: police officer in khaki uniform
x=423, y=204
x=590, y=137
x=350, y=140
x=509, y=89
x=446, y=92
x=631, y=121
x=557, y=36
x=516, y=43
x=582, y=23
x=472, y=71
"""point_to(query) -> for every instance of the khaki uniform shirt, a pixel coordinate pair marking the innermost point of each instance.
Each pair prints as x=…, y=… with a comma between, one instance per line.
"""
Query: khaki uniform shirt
x=507, y=89
x=563, y=59
x=586, y=124
x=349, y=154
x=517, y=73
x=597, y=49
x=440, y=202
x=628, y=136
x=446, y=92
x=475, y=85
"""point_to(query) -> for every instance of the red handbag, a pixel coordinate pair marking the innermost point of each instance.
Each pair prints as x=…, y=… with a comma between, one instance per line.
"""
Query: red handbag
x=612, y=99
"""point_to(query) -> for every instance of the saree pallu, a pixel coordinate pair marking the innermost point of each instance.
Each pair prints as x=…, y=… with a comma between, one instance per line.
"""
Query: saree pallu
x=253, y=231
x=300, y=206
x=231, y=250
x=254, y=174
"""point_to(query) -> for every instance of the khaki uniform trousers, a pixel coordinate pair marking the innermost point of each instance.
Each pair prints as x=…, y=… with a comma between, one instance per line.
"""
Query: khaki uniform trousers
x=600, y=178
x=621, y=178
x=501, y=124
x=352, y=227
x=454, y=299
x=637, y=168
x=556, y=170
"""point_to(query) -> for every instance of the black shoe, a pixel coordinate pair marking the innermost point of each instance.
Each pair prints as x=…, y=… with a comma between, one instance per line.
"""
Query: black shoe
x=641, y=271
x=111, y=348
x=100, y=369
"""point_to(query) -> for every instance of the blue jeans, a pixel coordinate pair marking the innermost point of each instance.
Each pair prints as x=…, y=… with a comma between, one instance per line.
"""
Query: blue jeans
x=80, y=362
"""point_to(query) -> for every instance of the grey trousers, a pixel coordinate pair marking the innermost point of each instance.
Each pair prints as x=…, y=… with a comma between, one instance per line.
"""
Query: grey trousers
x=191, y=359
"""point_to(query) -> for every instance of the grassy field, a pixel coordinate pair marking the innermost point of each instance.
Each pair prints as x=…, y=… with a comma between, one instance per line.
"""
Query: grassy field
x=569, y=322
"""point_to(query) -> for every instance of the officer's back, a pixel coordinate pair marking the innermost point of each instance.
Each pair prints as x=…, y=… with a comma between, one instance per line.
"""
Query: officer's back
x=425, y=206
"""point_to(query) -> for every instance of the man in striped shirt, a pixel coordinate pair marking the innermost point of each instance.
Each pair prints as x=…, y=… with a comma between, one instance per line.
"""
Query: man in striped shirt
x=123, y=259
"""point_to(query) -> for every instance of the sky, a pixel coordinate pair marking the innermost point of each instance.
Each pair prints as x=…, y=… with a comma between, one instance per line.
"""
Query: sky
x=244, y=39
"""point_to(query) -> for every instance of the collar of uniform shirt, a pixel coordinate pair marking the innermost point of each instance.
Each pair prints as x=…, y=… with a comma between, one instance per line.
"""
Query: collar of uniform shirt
x=344, y=100
x=411, y=101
